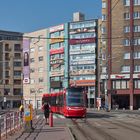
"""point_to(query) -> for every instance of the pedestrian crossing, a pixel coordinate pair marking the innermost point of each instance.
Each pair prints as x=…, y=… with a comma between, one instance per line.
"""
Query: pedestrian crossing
x=55, y=116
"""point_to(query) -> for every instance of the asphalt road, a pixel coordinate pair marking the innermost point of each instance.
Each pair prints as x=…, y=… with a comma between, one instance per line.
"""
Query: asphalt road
x=101, y=125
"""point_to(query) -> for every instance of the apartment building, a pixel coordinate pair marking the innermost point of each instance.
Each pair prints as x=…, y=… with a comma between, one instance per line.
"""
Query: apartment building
x=11, y=88
x=121, y=53
x=35, y=67
x=83, y=44
x=58, y=57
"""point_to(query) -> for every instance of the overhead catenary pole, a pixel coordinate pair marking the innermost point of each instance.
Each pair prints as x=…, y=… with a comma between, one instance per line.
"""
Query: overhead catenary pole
x=109, y=61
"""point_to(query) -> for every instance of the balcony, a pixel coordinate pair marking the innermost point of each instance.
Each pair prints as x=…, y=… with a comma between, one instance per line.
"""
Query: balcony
x=8, y=49
x=7, y=57
x=17, y=58
x=7, y=76
x=7, y=67
x=18, y=50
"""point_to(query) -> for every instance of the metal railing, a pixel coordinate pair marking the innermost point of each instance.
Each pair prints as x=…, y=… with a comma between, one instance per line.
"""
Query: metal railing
x=9, y=123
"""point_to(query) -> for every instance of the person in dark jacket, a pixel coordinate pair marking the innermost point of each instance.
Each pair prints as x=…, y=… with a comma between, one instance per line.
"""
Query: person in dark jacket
x=46, y=108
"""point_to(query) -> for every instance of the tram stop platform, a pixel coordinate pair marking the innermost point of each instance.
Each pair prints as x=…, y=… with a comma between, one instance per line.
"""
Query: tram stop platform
x=43, y=131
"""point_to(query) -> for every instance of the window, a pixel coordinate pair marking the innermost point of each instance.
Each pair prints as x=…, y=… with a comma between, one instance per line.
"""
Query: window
x=137, y=68
x=103, y=4
x=104, y=69
x=40, y=90
x=103, y=17
x=136, y=84
x=32, y=70
x=32, y=81
x=126, y=42
x=136, y=15
x=126, y=2
x=40, y=48
x=17, y=55
x=103, y=30
x=136, y=2
x=17, y=73
x=32, y=90
x=40, y=80
x=120, y=84
x=17, y=64
x=125, y=69
x=137, y=28
x=32, y=49
x=40, y=69
x=126, y=16
x=127, y=29
x=61, y=33
x=136, y=41
x=61, y=44
x=17, y=47
x=126, y=56
x=40, y=58
x=32, y=60
x=103, y=56
x=136, y=55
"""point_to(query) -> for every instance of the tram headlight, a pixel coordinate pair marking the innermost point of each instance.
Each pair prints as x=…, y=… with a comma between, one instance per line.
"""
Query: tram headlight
x=68, y=108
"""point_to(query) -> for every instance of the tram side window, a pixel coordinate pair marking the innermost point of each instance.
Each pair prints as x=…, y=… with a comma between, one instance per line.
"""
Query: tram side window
x=61, y=100
x=53, y=101
x=57, y=101
x=49, y=100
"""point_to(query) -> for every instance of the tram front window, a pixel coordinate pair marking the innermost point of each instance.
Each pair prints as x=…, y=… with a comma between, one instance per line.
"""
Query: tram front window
x=75, y=99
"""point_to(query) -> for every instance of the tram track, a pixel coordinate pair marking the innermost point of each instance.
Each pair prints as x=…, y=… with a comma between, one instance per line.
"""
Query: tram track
x=89, y=131
x=125, y=125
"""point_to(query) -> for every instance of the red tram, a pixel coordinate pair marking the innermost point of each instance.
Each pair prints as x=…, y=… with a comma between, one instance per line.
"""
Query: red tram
x=70, y=102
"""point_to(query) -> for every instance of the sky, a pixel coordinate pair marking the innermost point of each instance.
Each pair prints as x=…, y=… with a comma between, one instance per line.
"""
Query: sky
x=31, y=15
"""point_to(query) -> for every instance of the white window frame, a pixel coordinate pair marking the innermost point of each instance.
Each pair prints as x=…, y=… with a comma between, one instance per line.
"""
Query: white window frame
x=136, y=55
x=136, y=15
x=126, y=42
x=103, y=4
x=136, y=28
x=137, y=68
x=126, y=16
x=126, y=56
x=40, y=48
x=126, y=29
x=125, y=69
x=126, y=2
x=136, y=2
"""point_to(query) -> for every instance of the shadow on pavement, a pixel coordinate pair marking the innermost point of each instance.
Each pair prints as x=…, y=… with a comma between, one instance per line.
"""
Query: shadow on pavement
x=97, y=115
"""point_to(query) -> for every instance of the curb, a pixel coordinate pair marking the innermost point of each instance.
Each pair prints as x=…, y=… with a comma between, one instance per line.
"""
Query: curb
x=71, y=135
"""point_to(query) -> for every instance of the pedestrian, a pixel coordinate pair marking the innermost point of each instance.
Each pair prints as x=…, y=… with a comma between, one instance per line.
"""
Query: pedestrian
x=31, y=115
x=21, y=109
x=46, y=108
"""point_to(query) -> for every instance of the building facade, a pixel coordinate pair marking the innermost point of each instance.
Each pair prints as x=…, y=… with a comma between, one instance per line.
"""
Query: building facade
x=83, y=55
x=35, y=67
x=121, y=53
x=11, y=87
x=58, y=57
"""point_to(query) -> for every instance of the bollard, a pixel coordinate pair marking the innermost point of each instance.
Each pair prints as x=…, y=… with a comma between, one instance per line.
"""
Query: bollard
x=51, y=119
x=0, y=127
x=6, y=125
